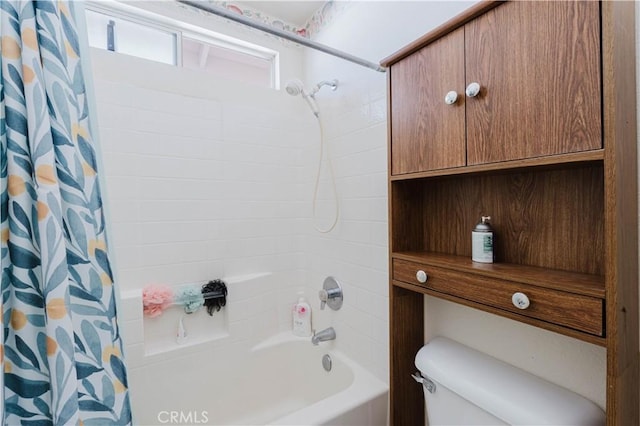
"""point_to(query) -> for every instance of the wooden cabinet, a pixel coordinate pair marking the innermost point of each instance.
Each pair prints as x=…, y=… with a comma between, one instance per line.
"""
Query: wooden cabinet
x=528, y=105
x=430, y=134
x=538, y=63
x=548, y=150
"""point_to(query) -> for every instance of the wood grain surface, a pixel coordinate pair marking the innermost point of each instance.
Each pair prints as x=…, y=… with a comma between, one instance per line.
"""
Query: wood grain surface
x=538, y=63
x=550, y=218
x=427, y=133
x=579, y=312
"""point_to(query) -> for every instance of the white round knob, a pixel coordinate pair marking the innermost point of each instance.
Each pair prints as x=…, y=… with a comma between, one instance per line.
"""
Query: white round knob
x=451, y=98
x=473, y=90
x=520, y=300
x=421, y=276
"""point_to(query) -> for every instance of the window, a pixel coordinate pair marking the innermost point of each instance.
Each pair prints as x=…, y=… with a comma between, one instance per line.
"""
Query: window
x=131, y=38
x=131, y=31
x=226, y=61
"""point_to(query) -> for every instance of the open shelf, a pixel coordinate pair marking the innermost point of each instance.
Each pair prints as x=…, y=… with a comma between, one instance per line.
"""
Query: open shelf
x=549, y=218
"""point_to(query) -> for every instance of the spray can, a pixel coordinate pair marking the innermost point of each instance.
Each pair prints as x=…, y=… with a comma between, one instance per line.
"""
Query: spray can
x=482, y=241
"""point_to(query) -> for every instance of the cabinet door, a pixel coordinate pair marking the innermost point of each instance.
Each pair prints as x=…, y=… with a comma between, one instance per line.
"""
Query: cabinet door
x=426, y=132
x=538, y=65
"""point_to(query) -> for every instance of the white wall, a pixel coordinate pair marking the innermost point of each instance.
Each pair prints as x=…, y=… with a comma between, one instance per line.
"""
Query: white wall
x=357, y=251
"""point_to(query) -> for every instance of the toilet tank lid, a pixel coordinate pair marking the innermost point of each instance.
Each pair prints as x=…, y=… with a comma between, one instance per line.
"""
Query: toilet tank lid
x=505, y=391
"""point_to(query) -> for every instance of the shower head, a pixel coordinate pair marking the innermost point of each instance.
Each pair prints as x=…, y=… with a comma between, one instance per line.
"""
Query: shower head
x=294, y=87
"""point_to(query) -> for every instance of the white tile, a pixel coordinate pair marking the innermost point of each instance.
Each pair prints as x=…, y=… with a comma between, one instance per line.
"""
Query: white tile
x=124, y=233
x=379, y=211
x=127, y=257
x=180, y=105
x=121, y=162
x=378, y=110
x=156, y=232
x=239, y=330
x=159, y=254
x=170, y=210
x=117, y=116
x=132, y=331
x=134, y=355
x=379, y=257
x=379, y=184
x=354, y=120
x=111, y=93
x=130, y=306
x=122, y=187
x=380, y=362
x=129, y=278
x=124, y=211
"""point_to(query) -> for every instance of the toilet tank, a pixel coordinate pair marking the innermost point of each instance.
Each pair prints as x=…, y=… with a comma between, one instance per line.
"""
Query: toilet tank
x=482, y=385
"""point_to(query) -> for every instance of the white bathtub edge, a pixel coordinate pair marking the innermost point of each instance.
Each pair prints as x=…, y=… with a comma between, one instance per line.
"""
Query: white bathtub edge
x=278, y=339
x=364, y=389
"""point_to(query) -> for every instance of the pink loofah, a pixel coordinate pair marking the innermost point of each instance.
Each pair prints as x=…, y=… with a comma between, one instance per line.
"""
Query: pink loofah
x=155, y=299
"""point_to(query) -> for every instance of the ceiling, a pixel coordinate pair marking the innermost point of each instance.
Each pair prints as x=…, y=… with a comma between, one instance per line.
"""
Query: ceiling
x=293, y=12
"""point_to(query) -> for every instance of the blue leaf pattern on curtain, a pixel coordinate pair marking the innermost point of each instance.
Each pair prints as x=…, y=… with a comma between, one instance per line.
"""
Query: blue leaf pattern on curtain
x=59, y=368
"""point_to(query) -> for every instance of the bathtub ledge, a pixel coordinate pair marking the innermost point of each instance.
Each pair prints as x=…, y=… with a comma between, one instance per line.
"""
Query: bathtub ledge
x=365, y=390
x=278, y=339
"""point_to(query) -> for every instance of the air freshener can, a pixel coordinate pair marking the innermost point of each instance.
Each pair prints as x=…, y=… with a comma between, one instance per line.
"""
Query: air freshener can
x=482, y=241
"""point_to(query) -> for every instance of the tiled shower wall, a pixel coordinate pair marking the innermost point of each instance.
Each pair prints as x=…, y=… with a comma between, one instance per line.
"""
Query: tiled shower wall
x=203, y=181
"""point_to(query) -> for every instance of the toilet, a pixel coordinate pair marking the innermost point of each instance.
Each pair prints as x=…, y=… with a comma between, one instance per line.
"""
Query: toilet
x=465, y=387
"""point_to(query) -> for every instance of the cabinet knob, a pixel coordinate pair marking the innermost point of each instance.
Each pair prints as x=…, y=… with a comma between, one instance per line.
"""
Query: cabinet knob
x=451, y=98
x=520, y=300
x=421, y=276
x=473, y=89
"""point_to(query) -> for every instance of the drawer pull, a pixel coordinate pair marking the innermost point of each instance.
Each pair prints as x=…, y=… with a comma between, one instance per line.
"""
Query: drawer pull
x=520, y=300
x=421, y=276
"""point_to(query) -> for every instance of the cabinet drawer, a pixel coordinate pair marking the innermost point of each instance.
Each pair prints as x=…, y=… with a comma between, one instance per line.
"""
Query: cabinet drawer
x=579, y=312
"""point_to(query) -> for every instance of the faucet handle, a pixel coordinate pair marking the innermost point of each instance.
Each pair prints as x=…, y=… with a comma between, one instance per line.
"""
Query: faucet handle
x=324, y=296
x=331, y=294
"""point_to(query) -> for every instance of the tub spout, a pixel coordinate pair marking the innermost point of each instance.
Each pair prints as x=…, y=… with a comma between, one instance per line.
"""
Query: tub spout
x=323, y=336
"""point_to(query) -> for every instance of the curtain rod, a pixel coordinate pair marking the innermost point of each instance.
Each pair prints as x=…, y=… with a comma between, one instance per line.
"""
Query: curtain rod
x=220, y=11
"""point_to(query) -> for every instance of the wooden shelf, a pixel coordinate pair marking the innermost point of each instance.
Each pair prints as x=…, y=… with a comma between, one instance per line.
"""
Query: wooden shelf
x=565, y=160
x=548, y=218
x=571, y=282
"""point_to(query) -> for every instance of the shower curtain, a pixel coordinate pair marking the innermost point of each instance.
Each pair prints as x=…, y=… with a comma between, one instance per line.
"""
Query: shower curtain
x=62, y=352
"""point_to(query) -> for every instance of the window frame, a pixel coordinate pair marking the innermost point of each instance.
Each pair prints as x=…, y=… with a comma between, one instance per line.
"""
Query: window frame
x=185, y=30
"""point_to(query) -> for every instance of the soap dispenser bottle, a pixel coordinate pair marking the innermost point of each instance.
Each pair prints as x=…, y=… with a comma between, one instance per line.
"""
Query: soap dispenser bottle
x=302, y=318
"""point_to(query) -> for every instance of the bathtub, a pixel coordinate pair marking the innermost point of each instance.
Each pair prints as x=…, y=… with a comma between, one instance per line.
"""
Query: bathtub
x=281, y=381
